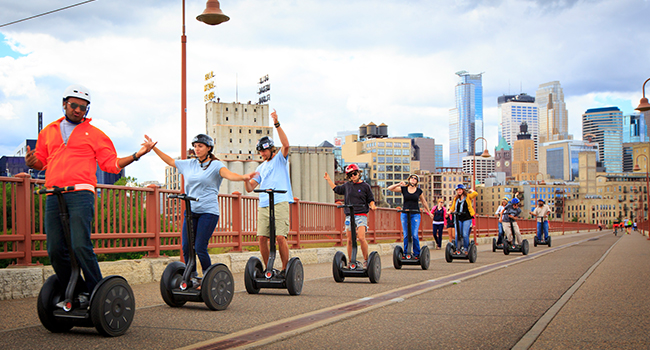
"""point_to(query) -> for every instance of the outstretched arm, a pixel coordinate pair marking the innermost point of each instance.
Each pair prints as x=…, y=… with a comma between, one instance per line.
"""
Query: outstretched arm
x=329, y=181
x=283, y=137
x=227, y=174
x=147, y=146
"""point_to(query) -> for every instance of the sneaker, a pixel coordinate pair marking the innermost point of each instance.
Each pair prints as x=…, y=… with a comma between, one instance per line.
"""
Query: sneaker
x=84, y=299
x=365, y=264
x=281, y=274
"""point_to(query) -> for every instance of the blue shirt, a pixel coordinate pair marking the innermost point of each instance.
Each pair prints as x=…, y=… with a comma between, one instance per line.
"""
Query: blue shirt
x=274, y=174
x=202, y=184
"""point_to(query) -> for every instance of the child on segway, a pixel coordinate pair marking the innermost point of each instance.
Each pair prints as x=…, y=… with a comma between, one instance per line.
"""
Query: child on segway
x=357, y=193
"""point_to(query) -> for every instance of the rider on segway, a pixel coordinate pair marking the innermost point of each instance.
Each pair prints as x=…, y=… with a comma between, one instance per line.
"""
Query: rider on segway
x=509, y=220
x=462, y=208
x=541, y=212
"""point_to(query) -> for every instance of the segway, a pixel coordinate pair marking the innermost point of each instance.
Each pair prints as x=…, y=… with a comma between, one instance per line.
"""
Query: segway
x=178, y=286
x=495, y=242
x=450, y=250
x=255, y=277
x=541, y=240
x=512, y=247
x=341, y=269
x=401, y=258
x=109, y=308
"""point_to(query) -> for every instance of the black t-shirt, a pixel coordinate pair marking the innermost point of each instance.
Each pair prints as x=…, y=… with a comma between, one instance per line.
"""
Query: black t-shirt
x=358, y=194
x=411, y=200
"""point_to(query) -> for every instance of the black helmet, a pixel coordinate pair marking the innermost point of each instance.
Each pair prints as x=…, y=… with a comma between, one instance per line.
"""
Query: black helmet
x=204, y=139
x=264, y=143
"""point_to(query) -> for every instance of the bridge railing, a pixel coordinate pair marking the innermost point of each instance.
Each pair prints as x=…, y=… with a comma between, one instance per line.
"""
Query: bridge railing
x=145, y=220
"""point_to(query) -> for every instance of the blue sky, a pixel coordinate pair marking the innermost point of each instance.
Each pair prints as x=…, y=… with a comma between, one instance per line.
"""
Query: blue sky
x=333, y=65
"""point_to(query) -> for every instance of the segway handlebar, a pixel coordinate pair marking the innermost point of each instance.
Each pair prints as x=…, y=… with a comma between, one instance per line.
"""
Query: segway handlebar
x=183, y=196
x=269, y=190
x=349, y=206
x=44, y=190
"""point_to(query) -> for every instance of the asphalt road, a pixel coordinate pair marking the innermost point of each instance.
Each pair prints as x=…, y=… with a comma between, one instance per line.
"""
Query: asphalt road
x=587, y=291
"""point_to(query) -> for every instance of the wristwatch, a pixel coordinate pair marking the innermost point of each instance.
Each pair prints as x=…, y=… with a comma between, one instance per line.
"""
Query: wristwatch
x=135, y=157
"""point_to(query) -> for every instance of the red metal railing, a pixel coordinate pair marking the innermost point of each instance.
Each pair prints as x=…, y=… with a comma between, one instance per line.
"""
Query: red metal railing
x=135, y=219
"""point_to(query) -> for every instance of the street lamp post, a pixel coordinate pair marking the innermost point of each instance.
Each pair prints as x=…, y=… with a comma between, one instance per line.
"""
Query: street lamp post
x=485, y=154
x=212, y=15
x=647, y=187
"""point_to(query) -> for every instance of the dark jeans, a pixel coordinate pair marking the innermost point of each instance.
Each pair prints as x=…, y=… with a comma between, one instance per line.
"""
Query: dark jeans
x=81, y=207
x=204, y=225
x=437, y=233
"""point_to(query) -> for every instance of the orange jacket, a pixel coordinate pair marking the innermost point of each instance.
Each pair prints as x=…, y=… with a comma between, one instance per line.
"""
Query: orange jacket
x=76, y=162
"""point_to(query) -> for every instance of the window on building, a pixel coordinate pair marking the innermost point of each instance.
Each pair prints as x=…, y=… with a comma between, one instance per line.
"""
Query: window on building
x=389, y=159
x=389, y=144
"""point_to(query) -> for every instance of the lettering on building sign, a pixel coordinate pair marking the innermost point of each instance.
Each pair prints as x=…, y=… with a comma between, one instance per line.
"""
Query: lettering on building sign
x=209, y=87
x=264, y=89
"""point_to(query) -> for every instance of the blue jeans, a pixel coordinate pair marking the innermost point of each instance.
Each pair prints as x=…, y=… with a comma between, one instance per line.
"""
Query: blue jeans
x=81, y=208
x=463, y=227
x=500, y=235
x=415, y=225
x=539, y=230
x=204, y=225
x=437, y=233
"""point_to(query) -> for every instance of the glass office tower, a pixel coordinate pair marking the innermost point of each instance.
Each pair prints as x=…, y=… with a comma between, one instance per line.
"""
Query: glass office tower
x=605, y=127
x=466, y=119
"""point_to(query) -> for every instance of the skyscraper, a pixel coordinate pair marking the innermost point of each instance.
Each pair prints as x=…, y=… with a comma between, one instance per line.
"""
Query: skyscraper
x=514, y=110
x=605, y=127
x=466, y=119
x=552, y=115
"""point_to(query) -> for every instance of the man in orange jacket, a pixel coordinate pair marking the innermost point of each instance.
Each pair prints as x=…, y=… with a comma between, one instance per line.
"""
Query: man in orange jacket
x=69, y=149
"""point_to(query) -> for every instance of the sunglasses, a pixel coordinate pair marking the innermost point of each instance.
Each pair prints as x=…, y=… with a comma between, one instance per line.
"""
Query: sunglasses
x=76, y=105
x=354, y=173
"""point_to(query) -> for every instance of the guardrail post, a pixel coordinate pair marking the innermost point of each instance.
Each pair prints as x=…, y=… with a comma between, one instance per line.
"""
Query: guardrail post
x=22, y=224
x=153, y=218
x=237, y=221
x=372, y=223
x=295, y=221
x=338, y=226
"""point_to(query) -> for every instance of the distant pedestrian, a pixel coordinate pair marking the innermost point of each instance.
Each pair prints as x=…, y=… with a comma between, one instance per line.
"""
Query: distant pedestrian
x=439, y=213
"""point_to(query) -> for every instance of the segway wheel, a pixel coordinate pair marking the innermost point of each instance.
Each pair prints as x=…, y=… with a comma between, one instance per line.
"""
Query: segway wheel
x=549, y=241
x=425, y=258
x=374, y=267
x=535, y=241
x=253, y=269
x=217, y=287
x=112, y=306
x=170, y=280
x=397, y=257
x=50, y=294
x=472, y=253
x=524, y=247
x=337, y=266
x=295, y=276
x=506, y=247
x=494, y=245
x=449, y=250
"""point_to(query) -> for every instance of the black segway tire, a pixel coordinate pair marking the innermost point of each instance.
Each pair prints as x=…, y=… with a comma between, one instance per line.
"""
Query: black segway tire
x=549, y=241
x=449, y=250
x=425, y=258
x=112, y=306
x=397, y=257
x=506, y=247
x=51, y=293
x=295, y=276
x=217, y=287
x=337, y=266
x=494, y=245
x=524, y=247
x=170, y=280
x=535, y=241
x=472, y=253
x=253, y=269
x=374, y=267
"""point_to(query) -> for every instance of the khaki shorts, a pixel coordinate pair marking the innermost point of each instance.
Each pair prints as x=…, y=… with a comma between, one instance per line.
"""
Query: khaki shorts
x=281, y=220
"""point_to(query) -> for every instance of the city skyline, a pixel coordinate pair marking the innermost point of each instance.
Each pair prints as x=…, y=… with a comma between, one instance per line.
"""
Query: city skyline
x=329, y=69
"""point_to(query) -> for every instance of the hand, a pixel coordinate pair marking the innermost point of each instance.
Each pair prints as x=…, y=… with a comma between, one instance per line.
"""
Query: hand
x=402, y=184
x=373, y=206
x=274, y=115
x=30, y=158
x=327, y=176
x=430, y=215
x=147, y=146
x=249, y=176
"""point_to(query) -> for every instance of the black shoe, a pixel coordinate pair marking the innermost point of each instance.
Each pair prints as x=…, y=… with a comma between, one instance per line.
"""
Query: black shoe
x=281, y=274
x=84, y=300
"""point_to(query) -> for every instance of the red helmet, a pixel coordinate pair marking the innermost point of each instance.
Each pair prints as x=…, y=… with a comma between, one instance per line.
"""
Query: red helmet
x=350, y=168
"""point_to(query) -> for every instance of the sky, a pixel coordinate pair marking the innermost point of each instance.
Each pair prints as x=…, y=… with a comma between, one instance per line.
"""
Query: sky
x=333, y=65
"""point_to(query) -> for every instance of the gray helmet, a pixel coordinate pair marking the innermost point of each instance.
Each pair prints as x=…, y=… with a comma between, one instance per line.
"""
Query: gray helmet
x=204, y=139
x=264, y=143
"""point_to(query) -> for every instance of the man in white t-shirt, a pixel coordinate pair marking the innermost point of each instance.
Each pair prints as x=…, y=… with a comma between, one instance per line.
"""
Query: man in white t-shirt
x=273, y=173
x=541, y=213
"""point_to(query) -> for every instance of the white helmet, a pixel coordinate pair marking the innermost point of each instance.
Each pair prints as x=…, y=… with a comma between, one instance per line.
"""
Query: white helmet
x=78, y=91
